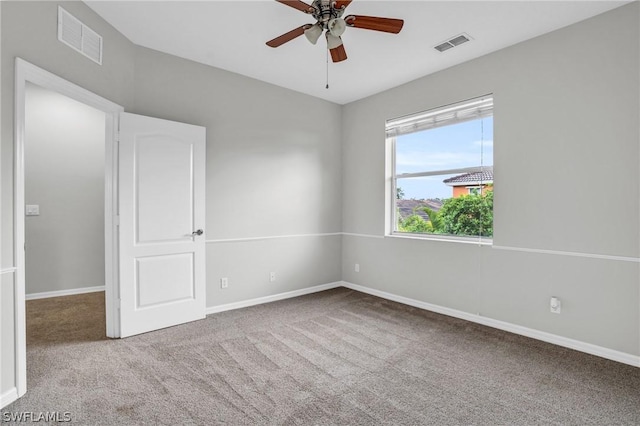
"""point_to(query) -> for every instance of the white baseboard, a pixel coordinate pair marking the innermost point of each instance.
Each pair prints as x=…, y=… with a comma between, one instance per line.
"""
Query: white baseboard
x=58, y=293
x=589, y=348
x=8, y=397
x=272, y=298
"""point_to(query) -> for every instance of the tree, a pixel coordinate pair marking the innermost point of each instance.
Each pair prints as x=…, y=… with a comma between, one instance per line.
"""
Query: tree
x=435, y=223
x=414, y=224
x=399, y=193
x=468, y=215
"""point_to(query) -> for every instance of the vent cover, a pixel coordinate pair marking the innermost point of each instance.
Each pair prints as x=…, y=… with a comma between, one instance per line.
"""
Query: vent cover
x=453, y=42
x=78, y=36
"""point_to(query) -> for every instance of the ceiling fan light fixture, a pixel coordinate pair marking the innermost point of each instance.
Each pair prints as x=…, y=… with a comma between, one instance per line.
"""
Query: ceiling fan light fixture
x=333, y=41
x=337, y=26
x=328, y=15
x=313, y=33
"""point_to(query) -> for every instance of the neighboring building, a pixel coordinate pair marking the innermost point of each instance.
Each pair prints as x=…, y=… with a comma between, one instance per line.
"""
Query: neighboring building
x=407, y=208
x=471, y=183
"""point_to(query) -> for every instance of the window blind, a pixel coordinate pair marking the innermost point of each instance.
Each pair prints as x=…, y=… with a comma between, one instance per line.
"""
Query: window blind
x=455, y=113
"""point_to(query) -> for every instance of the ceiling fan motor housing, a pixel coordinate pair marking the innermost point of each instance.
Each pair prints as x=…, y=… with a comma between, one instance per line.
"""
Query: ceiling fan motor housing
x=325, y=12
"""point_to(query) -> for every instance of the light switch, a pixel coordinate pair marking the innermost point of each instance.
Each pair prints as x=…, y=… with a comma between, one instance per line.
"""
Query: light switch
x=33, y=210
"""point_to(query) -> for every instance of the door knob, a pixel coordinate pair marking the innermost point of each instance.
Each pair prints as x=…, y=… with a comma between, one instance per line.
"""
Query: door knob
x=198, y=232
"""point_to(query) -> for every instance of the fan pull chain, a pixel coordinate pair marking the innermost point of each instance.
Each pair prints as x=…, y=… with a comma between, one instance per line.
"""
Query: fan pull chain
x=327, y=86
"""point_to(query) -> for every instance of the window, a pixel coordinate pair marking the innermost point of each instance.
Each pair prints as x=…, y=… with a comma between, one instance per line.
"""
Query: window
x=442, y=171
x=474, y=190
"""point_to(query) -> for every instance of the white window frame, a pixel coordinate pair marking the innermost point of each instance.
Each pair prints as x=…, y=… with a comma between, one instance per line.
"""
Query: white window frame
x=474, y=190
x=437, y=117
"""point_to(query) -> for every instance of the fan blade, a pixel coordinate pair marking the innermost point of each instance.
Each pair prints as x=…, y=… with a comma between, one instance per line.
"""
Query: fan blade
x=279, y=41
x=387, y=25
x=297, y=4
x=338, y=54
x=342, y=3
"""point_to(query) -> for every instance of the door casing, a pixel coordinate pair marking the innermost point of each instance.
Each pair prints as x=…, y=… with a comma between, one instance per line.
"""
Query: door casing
x=27, y=72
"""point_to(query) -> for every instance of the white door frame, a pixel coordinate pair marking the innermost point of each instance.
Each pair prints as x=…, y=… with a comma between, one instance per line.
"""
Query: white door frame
x=27, y=72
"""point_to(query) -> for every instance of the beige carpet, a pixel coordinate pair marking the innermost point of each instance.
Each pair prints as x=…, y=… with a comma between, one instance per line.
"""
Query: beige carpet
x=337, y=357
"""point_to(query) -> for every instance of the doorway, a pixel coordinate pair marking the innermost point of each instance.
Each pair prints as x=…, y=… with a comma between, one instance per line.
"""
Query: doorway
x=64, y=195
x=64, y=218
x=28, y=74
x=154, y=198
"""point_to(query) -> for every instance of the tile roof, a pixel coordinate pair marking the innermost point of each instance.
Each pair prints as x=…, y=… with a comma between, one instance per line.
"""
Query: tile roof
x=407, y=208
x=486, y=175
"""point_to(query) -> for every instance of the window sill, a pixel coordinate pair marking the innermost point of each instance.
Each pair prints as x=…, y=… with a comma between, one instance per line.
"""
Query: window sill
x=448, y=239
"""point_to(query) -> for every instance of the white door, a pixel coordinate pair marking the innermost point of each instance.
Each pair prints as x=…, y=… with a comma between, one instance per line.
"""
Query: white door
x=161, y=239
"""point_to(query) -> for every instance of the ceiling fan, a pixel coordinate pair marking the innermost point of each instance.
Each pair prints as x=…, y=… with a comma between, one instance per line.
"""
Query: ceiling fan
x=328, y=16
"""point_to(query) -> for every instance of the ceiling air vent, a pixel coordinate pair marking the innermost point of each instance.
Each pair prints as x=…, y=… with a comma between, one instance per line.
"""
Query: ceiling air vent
x=78, y=36
x=453, y=42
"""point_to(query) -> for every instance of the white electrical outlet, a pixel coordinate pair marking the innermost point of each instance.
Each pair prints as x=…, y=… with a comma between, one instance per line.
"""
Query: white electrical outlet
x=356, y=267
x=224, y=282
x=272, y=276
x=555, y=305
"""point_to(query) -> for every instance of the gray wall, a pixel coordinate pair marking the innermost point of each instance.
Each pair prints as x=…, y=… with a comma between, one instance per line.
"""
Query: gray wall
x=33, y=36
x=64, y=175
x=566, y=136
x=273, y=170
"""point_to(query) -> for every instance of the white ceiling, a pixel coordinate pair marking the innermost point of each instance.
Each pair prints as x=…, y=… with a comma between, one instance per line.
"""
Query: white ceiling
x=231, y=35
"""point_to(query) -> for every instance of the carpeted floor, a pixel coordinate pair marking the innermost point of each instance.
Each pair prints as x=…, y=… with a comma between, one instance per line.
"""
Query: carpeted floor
x=337, y=357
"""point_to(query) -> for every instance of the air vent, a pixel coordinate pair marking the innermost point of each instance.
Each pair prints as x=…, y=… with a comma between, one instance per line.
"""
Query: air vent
x=453, y=42
x=78, y=36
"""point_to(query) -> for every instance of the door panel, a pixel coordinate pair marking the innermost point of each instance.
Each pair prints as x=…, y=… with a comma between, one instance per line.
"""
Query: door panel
x=174, y=268
x=164, y=186
x=161, y=196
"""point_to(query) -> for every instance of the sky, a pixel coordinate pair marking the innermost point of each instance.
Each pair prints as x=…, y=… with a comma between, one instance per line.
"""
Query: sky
x=449, y=147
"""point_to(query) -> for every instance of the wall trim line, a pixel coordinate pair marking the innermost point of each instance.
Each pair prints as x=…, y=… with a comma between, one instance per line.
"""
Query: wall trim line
x=570, y=253
x=496, y=247
x=8, y=270
x=353, y=234
x=578, y=345
x=8, y=397
x=69, y=292
x=271, y=298
x=271, y=237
